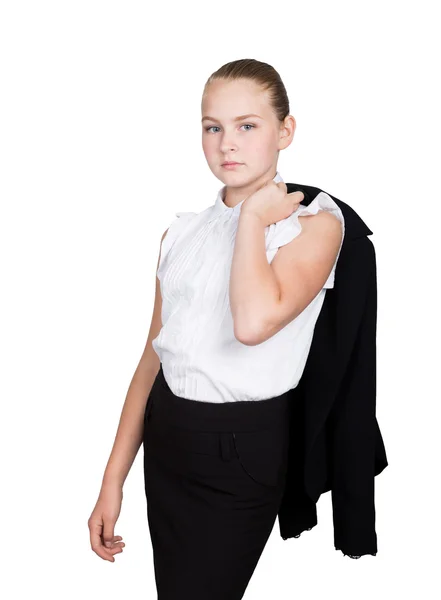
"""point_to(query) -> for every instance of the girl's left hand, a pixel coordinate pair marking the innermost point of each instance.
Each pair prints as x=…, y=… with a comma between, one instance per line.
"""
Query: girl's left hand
x=271, y=203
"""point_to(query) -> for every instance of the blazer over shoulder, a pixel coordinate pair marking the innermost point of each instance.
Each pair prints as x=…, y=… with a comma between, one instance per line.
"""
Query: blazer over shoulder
x=335, y=440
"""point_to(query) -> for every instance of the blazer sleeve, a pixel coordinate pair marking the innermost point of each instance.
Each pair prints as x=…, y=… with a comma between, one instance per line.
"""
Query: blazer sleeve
x=354, y=430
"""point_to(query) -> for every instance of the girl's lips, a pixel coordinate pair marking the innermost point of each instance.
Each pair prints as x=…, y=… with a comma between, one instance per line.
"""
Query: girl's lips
x=231, y=165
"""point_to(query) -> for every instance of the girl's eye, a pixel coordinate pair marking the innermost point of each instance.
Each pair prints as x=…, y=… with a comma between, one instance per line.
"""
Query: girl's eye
x=215, y=126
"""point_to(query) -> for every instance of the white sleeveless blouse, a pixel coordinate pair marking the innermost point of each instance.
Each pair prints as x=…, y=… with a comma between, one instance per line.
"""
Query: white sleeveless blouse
x=200, y=356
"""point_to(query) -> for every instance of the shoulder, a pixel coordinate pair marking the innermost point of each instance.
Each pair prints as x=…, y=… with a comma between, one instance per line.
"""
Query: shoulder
x=322, y=223
x=180, y=222
x=179, y=227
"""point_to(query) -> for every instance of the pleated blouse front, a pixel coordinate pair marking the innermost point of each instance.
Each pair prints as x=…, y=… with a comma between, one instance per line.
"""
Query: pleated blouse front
x=200, y=356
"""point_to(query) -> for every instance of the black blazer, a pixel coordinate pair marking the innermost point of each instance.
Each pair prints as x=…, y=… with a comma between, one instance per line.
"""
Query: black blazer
x=335, y=440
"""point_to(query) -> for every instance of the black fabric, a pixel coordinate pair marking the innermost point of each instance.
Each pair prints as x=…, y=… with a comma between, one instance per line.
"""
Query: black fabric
x=335, y=440
x=214, y=479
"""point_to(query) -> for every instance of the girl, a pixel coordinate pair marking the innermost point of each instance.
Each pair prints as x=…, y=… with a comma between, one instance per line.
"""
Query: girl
x=239, y=288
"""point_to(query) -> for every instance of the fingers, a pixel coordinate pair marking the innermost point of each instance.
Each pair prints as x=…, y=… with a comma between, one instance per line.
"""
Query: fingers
x=282, y=186
x=113, y=544
x=115, y=548
x=97, y=543
x=297, y=196
x=108, y=533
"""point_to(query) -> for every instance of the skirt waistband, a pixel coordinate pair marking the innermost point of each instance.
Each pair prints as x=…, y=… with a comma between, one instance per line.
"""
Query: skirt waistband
x=184, y=413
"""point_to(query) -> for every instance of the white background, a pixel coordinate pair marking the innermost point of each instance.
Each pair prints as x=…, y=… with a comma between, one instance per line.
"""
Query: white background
x=100, y=146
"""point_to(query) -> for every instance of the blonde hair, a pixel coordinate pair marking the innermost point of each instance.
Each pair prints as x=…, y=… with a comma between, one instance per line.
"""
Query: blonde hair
x=261, y=73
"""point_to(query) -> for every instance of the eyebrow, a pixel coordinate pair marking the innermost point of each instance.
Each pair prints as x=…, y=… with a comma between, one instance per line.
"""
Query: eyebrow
x=236, y=119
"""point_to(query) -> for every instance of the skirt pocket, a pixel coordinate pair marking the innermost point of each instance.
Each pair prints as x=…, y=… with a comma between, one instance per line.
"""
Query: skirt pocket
x=262, y=455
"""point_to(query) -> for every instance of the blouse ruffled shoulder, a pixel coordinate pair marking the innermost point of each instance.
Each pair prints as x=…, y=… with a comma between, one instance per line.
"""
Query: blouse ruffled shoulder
x=174, y=231
x=286, y=230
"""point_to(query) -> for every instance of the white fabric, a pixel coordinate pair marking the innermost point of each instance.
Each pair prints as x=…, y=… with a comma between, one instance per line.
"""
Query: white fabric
x=201, y=358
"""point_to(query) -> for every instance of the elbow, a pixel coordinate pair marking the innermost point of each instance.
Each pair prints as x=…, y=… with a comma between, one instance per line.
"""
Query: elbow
x=249, y=336
x=253, y=330
x=252, y=334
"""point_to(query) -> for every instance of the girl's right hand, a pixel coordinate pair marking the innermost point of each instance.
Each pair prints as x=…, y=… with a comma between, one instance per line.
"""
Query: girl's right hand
x=102, y=521
x=271, y=202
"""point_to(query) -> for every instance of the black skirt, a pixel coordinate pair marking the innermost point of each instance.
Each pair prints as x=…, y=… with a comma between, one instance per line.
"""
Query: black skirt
x=214, y=479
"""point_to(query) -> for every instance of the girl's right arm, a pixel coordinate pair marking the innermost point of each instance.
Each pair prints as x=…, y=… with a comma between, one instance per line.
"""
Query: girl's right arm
x=128, y=439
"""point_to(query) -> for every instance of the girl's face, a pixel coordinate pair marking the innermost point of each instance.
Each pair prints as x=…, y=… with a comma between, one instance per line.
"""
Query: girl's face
x=252, y=141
